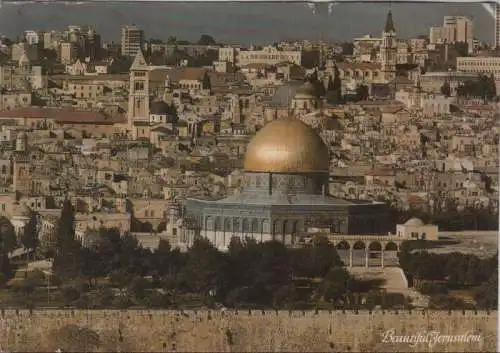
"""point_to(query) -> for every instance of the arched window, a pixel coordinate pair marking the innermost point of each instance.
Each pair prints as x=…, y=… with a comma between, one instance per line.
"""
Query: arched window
x=246, y=226
x=210, y=223
x=217, y=224
x=227, y=225
x=265, y=226
x=255, y=225
x=4, y=169
x=277, y=227
x=236, y=225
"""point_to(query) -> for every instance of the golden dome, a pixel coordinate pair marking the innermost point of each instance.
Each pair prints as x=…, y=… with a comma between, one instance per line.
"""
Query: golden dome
x=287, y=146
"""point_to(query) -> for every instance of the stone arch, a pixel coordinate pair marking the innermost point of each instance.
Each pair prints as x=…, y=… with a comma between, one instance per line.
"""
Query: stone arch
x=343, y=245
x=289, y=226
x=375, y=246
x=391, y=246
x=255, y=225
x=236, y=225
x=209, y=223
x=277, y=227
x=217, y=224
x=359, y=245
x=227, y=225
x=266, y=226
x=245, y=227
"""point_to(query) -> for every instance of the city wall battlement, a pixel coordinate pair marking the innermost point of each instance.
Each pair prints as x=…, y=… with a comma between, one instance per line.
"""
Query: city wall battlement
x=255, y=330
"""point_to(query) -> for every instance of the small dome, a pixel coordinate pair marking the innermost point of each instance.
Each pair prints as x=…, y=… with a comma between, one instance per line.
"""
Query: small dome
x=414, y=222
x=159, y=108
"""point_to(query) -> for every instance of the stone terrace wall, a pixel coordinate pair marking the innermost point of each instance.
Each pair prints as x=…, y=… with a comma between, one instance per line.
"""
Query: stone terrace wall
x=270, y=331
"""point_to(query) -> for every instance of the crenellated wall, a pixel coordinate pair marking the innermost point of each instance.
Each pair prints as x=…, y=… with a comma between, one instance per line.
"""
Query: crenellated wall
x=225, y=331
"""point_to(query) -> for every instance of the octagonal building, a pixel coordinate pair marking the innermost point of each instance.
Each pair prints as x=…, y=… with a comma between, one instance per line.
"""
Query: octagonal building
x=285, y=194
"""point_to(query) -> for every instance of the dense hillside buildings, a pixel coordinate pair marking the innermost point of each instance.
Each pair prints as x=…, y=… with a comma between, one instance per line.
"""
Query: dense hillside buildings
x=261, y=142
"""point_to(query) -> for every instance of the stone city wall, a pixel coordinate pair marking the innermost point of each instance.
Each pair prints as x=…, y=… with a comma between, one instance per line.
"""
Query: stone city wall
x=270, y=331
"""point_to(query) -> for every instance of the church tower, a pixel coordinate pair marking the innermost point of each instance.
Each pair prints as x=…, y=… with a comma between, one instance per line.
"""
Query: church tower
x=138, y=99
x=22, y=168
x=388, y=50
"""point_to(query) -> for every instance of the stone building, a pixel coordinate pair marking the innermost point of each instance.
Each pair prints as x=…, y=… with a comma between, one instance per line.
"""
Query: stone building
x=22, y=74
x=284, y=194
x=416, y=229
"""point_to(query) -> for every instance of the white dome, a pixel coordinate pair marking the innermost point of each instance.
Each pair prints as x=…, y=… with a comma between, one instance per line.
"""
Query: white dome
x=414, y=222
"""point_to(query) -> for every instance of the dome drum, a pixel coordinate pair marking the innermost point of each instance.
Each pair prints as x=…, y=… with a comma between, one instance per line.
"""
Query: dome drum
x=290, y=183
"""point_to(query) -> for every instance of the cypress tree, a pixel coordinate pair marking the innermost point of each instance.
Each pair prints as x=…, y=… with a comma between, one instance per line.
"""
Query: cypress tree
x=329, y=87
x=206, y=84
x=337, y=84
x=29, y=238
x=446, y=89
x=65, y=241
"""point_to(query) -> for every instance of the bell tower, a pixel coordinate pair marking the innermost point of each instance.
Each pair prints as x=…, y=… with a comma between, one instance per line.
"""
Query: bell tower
x=388, y=50
x=138, y=99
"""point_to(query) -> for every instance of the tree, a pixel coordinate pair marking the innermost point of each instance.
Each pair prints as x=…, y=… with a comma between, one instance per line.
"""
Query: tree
x=65, y=236
x=462, y=48
x=347, y=48
x=487, y=295
x=272, y=271
x=446, y=89
x=206, y=84
x=29, y=238
x=155, y=41
x=202, y=271
x=334, y=91
x=313, y=78
x=69, y=295
x=205, y=39
x=329, y=86
x=171, y=40
x=362, y=92
x=120, y=278
x=8, y=241
x=137, y=287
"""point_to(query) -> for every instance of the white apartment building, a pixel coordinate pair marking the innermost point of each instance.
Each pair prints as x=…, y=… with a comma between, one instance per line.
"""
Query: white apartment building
x=436, y=35
x=365, y=46
x=31, y=37
x=432, y=81
x=484, y=65
x=132, y=40
x=52, y=39
x=268, y=55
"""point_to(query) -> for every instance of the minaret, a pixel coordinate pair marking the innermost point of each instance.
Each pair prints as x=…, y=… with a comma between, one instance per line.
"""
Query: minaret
x=138, y=99
x=388, y=50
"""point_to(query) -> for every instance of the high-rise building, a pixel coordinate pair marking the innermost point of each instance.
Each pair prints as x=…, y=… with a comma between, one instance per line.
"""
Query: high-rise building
x=458, y=29
x=69, y=52
x=436, y=35
x=31, y=37
x=497, y=25
x=132, y=40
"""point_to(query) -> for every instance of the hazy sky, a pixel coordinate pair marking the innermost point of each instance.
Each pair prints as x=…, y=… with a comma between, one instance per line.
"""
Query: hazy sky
x=241, y=22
